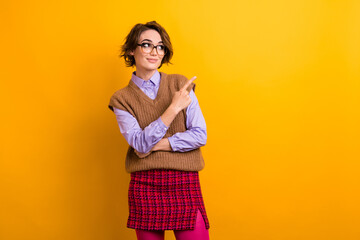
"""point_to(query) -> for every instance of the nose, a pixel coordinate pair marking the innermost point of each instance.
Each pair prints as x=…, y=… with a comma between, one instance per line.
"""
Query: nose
x=153, y=52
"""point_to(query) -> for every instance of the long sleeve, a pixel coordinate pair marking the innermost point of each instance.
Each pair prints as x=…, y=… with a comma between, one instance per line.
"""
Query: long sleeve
x=195, y=136
x=143, y=140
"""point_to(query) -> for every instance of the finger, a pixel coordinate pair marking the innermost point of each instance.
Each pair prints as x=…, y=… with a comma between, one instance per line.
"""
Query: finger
x=187, y=84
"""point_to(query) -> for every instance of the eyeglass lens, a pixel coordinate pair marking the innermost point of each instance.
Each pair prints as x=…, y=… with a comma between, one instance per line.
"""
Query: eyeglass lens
x=148, y=47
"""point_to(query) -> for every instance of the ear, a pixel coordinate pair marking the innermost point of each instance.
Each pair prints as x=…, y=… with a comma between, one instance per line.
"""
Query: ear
x=132, y=53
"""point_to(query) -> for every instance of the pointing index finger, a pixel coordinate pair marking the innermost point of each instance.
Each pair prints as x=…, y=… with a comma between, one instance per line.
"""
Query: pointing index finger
x=187, y=84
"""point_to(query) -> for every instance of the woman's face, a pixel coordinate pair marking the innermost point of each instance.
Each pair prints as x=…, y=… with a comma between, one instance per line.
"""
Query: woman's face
x=148, y=61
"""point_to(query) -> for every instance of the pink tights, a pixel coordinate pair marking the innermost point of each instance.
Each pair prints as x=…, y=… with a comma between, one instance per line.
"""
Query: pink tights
x=199, y=233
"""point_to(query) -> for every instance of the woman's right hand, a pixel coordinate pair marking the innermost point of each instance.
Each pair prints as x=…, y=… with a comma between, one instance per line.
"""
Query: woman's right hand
x=181, y=98
x=142, y=155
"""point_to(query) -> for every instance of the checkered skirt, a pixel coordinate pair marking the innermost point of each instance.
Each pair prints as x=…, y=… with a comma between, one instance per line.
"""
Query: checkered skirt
x=163, y=199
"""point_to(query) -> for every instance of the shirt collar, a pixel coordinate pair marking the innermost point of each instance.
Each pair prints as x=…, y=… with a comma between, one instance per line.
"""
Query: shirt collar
x=155, y=79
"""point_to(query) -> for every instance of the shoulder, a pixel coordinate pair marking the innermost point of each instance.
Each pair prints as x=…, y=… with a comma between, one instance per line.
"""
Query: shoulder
x=121, y=92
x=120, y=98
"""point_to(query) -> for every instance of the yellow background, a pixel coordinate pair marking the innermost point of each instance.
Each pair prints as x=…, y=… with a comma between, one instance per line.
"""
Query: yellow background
x=278, y=83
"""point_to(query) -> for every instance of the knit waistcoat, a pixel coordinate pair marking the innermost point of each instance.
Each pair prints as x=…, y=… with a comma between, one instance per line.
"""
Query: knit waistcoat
x=133, y=100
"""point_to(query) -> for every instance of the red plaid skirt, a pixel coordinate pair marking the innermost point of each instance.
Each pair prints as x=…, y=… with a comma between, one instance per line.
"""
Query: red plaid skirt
x=162, y=199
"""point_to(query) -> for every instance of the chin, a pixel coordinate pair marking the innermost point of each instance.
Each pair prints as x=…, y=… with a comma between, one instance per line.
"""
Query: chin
x=153, y=67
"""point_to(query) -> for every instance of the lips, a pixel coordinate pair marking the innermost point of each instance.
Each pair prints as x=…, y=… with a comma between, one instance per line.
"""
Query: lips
x=152, y=60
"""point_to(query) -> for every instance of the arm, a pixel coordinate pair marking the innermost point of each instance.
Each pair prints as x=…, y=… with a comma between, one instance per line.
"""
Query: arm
x=193, y=138
x=144, y=140
x=196, y=135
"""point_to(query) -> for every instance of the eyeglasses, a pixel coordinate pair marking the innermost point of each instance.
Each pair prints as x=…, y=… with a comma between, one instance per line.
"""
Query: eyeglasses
x=148, y=47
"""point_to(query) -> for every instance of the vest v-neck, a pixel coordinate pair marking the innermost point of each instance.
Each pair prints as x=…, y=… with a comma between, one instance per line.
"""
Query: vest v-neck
x=144, y=96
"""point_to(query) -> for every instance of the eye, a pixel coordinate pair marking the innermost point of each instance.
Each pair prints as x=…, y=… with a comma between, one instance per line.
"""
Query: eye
x=146, y=45
x=161, y=47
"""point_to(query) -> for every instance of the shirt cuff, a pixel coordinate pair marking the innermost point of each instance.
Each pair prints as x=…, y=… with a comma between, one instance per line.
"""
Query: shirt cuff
x=160, y=126
x=172, y=144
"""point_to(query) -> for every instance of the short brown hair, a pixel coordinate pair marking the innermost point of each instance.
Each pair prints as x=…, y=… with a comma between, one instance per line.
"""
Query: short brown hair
x=132, y=39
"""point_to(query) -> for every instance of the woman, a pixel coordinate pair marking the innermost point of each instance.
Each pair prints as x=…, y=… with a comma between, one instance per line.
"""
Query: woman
x=159, y=116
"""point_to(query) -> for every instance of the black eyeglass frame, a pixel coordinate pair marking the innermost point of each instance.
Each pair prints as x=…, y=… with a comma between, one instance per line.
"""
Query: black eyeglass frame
x=154, y=46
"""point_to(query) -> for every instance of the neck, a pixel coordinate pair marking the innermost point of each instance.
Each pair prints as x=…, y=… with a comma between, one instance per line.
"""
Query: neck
x=144, y=74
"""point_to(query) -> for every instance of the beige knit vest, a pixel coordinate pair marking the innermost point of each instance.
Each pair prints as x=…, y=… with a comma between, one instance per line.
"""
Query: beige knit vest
x=133, y=100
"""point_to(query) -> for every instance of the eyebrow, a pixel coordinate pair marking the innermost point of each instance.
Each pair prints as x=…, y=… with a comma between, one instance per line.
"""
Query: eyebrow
x=150, y=40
